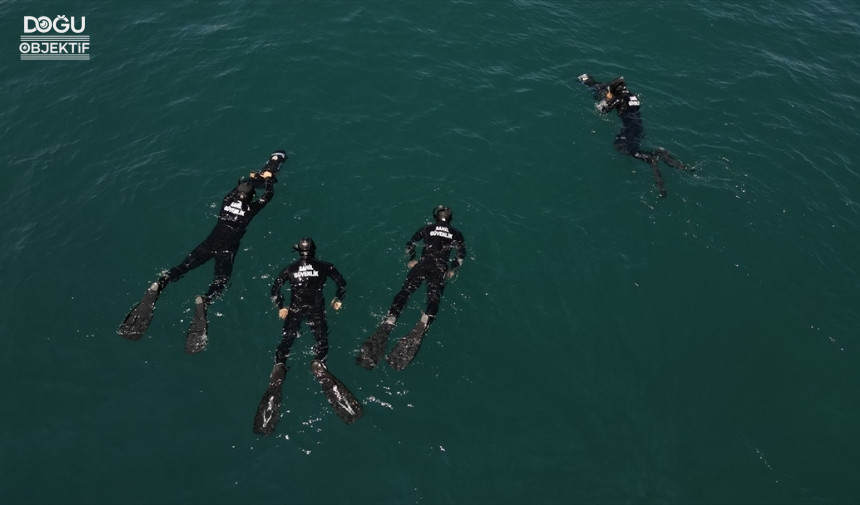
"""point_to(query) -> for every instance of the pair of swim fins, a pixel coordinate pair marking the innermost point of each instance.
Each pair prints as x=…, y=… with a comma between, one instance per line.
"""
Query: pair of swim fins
x=404, y=350
x=344, y=403
x=140, y=316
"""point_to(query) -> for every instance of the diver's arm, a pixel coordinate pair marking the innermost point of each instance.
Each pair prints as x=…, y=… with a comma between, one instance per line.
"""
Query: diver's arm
x=457, y=262
x=598, y=92
x=410, y=246
x=597, y=88
x=269, y=188
x=280, y=280
x=340, y=282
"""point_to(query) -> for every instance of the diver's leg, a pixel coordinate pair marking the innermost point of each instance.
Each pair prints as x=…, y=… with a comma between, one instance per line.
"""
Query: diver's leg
x=223, y=271
x=413, y=280
x=288, y=336
x=651, y=159
x=435, y=288
x=200, y=255
x=319, y=327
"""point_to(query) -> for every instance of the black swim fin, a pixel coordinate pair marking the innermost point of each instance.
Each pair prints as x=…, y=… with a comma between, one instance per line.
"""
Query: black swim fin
x=374, y=347
x=267, y=416
x=196, y=339
x=137, y=321
x=345, y=405
x=407, y=347
x=670, y=160
x=652, y=159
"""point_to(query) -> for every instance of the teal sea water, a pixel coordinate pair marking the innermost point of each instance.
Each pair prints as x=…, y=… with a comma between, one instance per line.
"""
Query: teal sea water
x=599, y=346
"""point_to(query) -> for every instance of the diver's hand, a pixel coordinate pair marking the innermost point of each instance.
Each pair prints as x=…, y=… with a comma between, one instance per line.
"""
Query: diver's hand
x=282, y=313
x=451, y=273
x=412, y=263
x=336, y=304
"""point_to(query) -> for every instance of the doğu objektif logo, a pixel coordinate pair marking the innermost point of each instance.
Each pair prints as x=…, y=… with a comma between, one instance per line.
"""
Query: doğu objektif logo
x=60, y=38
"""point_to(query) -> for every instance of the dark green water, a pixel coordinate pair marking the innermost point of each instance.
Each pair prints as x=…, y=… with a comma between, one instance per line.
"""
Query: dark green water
x=599, y=346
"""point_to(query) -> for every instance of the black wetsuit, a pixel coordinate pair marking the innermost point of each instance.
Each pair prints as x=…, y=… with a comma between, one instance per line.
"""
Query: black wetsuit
x=439, y=239
x=223, y=241
x=629, y=138
x=626, y=104
x=307, y=277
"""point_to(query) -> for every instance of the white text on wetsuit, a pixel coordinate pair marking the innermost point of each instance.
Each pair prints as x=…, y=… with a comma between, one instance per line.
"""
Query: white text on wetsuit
x=306, y=271
x=441, y=231
x=235, y=208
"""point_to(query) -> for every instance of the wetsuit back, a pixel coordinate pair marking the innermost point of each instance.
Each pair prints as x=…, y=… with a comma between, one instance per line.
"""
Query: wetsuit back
x=307, y=277
x=439, y=239
x=236, y=215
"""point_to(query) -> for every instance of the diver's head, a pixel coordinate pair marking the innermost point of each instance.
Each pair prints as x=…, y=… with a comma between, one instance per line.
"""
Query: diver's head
x=617, y=86
x=245, y=189
x=442, y=213
x=306, y=248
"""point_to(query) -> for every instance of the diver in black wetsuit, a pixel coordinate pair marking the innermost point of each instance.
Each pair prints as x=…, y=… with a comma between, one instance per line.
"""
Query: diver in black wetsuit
x=307, y=277
x=434, y=268
x=615, y=95
x=439, y=239
x=237, y=210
